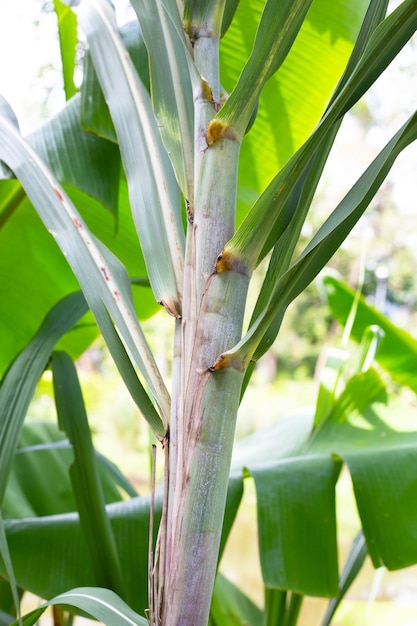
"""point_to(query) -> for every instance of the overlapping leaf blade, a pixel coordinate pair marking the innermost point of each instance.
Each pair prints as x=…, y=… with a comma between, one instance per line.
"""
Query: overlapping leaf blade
x=95, y=115
x=101, y=276
x=326, y=241
x=5, y=555
x=300, y=199
x=294, y=98
x=32, y=268
x=351, y=569
x=398, y=351
x=68, y=39
x=19, y=383
x=85, y=480
x=231, y=607
x=271, y=214
x=102, y=604
x=295, y=488
x=172, y=84
x=89, y=163
x=381, y=462
x=40, y=545
x=153, y=190
x=277, y=30
x=78, y=158
x=43, y=451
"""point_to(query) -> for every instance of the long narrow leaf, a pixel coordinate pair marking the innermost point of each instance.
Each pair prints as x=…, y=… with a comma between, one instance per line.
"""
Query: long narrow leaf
x=295, y=97
x=204, y=17
x=67, y=29
x=101, y=276
x=48, y=553
x=279, y=26
x=85, y=480
x=172, y=88
x=229, y=11
x=271, y=214
x=44, y=278
x=39, y=484
x=19, y=383
x=7, y=613
x=302, y=195
x=153, y=190
x=351, y=569
x=327, y=240
x=231, y=607
x=385, y=43
x=95, y=114
x=5, y=555
x=77, y=158
x=397, y=353
x=102, y=604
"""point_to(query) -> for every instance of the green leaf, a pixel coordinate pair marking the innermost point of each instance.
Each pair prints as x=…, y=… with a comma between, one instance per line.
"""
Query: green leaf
x=171, y=84
x=32, y=268
x=277, y=30
x=360, y=392
x=294, y=98
x=102, y=604
x=5, y=555
x=100, y=274
x=67, y=28
x=203, y=18
x=380, y=460
x=27, y=277
x=385, y=493
x=326, y=241
x=351, y=569
x=84, y=475
x=385, y=43
x=40, y=546
x=77, y=158
x=330, y=373
x=275, y=602
x=148, y=169
x=45, y=277
x=295, y=483
x=43, y=451
x=231, y=607
x=300, y=200
x=7, y=610
x=271, y=214
x=229, y=11
x=398, y=350
x=334, y=366
x=297, y=524
x=95, y=115
x=19, y=383
x=234, y=497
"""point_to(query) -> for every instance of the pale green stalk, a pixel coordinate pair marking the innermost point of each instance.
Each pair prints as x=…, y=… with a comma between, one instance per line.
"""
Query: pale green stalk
x=206, y=440
x=205, y=401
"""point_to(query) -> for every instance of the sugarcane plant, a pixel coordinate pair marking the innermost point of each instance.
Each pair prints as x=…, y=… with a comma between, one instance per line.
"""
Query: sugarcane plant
x=194, y=161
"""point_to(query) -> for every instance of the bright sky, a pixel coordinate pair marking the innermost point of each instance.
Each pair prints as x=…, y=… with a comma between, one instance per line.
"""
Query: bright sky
x=24, y=49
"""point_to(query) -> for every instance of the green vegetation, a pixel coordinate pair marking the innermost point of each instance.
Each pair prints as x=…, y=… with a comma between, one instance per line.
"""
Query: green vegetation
x=128, y=200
